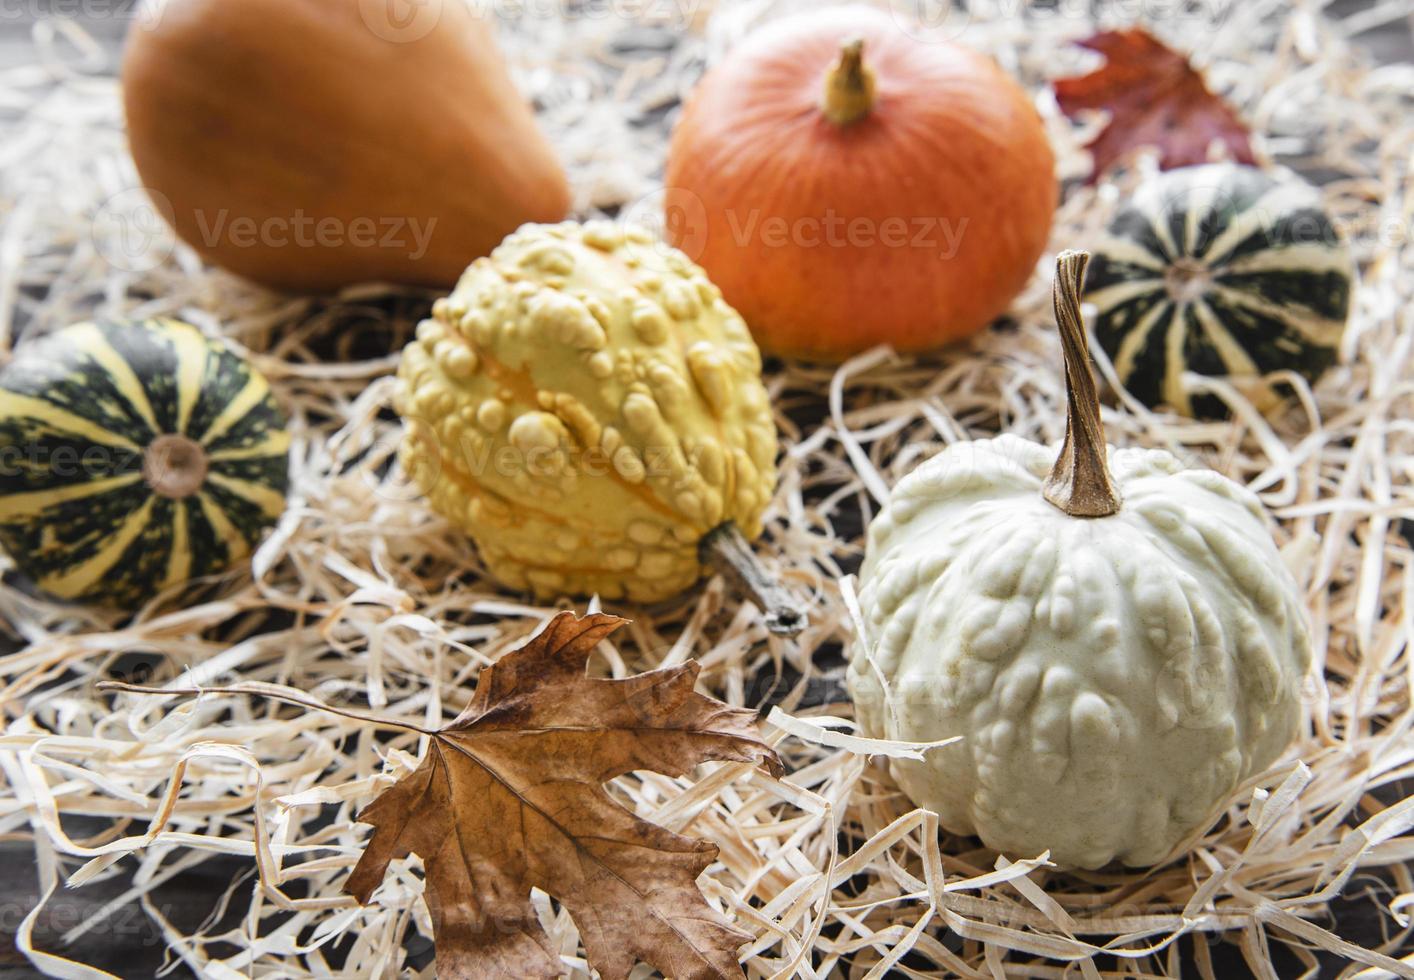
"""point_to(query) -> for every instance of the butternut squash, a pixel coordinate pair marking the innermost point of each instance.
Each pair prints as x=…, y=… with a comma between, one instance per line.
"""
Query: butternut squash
x=307, y=144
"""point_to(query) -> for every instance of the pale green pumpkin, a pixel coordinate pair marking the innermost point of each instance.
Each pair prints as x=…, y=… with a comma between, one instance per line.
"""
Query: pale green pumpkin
x=1113, y=636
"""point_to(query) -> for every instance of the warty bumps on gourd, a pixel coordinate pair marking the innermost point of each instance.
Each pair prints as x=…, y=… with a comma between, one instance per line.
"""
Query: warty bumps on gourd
x=588, y=408
x=1117, y=652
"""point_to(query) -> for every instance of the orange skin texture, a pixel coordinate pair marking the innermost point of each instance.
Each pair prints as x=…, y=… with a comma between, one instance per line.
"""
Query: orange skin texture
x=951, y=144
x=269, y=109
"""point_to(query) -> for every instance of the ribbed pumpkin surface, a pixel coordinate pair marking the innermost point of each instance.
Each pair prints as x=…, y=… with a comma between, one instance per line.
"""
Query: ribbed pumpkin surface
x=133, y=456
x=914, y=225
x=1222, y=271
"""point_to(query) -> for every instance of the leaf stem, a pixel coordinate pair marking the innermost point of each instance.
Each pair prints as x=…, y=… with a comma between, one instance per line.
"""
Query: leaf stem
x=1080, y=482
x=726, y=550
x=849, y=86
x=248, y=690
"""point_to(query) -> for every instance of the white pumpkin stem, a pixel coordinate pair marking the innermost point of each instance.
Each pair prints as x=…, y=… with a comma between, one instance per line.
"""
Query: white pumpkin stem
x=726, y=550
x=849, y=86
x=1080, y=482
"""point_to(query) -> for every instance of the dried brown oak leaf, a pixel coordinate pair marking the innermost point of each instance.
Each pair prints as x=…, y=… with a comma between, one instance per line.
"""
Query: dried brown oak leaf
x=1155, y=98
x=511, y=797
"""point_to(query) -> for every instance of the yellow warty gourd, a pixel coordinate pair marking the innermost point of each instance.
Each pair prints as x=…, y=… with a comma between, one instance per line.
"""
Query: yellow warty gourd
x=589, y=409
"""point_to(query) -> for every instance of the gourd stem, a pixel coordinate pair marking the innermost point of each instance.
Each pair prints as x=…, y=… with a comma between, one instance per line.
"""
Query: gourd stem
x=1080, y=482
x=849, y=86
x=726, y=550
x=174, y=466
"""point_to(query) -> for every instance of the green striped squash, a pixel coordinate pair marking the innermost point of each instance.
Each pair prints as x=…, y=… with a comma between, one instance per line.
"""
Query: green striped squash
x=1220, y=270
x=134, y=456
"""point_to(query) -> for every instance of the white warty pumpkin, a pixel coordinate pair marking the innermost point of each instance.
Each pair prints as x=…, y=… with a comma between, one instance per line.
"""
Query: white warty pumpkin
x=1118, y=646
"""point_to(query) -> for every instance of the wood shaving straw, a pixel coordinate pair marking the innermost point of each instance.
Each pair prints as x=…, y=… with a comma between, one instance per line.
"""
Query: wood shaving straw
x=363, y=597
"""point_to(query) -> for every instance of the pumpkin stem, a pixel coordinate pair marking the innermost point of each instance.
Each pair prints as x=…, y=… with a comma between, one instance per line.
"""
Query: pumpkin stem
x=849, y=86
x=1080, y=482
x=726, y=550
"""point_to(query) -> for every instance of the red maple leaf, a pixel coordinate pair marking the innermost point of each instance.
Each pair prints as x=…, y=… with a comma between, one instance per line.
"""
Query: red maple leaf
x=1154, y=98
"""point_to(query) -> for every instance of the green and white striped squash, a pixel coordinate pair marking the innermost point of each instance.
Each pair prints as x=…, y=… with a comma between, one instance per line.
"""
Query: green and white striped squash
x=1220, y=270
x=134, y=455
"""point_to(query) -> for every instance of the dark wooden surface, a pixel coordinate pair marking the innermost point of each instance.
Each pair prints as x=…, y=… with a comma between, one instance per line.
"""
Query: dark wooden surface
x=128, y=944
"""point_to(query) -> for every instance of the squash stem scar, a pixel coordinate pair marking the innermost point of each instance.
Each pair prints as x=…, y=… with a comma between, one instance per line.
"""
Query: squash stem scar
x=174, y=466
x=1187, y=280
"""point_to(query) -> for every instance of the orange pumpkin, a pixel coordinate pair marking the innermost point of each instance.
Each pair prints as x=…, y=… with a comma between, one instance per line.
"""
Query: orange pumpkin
x=846, y=185
x=308, y=144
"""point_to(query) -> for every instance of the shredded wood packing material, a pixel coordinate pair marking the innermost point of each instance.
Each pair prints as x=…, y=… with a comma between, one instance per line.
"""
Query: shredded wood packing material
x=363, y=597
